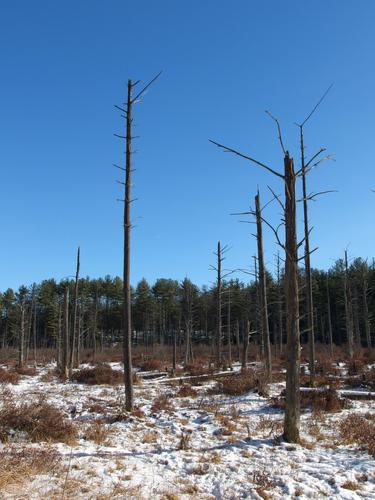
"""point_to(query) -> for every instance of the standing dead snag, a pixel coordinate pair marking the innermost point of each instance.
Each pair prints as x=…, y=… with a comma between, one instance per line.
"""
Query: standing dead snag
x=263, y=291
x=292, y=412
x=348, y=308
x=74, y=361
x=218, y=306
x=127, y=323
x=64, y=371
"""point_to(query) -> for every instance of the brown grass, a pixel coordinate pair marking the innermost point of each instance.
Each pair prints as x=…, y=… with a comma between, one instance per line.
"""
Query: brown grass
x=39, y=420
x=20, y=465
x=99, y=375
x=30, y=371
x=356, y=428
x=187, y=391
x=326, y=400
x=98, y=432
x=150, y=365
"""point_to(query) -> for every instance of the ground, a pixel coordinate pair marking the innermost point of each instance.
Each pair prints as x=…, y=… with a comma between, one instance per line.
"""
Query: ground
x=187, y=443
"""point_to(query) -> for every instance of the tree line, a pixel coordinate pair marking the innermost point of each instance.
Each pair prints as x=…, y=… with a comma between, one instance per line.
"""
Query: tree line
x=343, y=297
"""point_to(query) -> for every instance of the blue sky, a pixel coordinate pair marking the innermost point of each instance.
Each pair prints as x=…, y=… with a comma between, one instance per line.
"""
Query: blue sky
x=65, y=64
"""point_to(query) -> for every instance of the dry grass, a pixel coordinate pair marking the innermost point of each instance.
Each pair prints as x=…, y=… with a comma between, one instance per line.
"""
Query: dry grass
x=99, y=433
x=149, y=365
x=30, y=371
x=356, y=428
x=20, y=465
x=326, y=400
x=39, y=420
x=101, y=374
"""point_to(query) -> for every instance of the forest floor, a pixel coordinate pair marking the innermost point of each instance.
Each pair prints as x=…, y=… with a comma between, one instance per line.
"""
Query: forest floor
x=186, y=439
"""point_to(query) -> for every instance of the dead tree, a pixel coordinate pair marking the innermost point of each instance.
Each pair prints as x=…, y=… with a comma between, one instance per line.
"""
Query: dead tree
x=229, y=340
x=21, y=350
x=218, y=305
x=348, y=308
x=74, y=349
x=292, y=410
x=263, y=291
x=64, y=370
x=329, y=319
x=279, y=303
x=245, y=345
x=366, y=315
x=127, y=323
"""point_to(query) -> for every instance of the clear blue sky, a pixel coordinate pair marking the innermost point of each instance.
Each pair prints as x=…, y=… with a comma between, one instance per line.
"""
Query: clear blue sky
x=65, y=64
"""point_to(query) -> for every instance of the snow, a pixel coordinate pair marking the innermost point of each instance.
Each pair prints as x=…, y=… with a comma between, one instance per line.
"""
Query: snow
x=233, y=447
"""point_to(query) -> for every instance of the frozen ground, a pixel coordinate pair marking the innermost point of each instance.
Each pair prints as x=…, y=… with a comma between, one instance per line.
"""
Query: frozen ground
x=205, y=447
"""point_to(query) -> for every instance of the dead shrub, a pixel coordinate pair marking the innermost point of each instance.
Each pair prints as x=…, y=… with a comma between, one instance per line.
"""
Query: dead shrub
x=98, y=432
x=185, y=440
x=150, y=365
x=369, y=378
x=9, y=376
x=99, y=375
x=187, y=391
x=39, y=420
x=161, y=403
x=197, y=369
x=242, y=382
x=356, y=428
x=50, y=375
x=326, y=400
x=263, y=481
x=30, y=371
x=356, y=367
x=18, y=465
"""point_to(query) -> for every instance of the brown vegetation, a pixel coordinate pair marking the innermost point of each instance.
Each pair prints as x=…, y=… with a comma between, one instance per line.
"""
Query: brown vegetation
x=39, y=420
x=100, y=374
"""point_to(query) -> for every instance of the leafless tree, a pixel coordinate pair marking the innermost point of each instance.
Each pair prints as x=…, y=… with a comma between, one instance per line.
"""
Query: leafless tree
x=127, y=114
x=74, y=349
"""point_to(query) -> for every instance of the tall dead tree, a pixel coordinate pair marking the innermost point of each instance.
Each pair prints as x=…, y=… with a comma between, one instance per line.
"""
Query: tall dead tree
x=218, y=305
x=279, y=303
x=74, y=348
x=64, y=370
x=348, y=308
x=289, y=176
x=229, y=340
x=330, y=335
x=263, y=291
x=307, y=230
x=127, y=323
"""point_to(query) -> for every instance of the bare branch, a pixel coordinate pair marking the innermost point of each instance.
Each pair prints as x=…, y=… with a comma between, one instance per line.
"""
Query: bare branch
x=316, y=106
x=278, y=130
x=230, y=150
x=146, y=87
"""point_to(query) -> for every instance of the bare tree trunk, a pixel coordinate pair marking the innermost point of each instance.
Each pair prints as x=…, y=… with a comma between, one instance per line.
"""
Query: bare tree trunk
x=245, y=346
x=128, y=372
x=229, y=333
x=34, y=334
x=79, y=337
x=218, y=307
x=238, y=339
x=308, y=277
x=292, y=407
x=348, y=312
x=329, y=321
x=263, y=292
x=73, y=348
x=21, y=350
x=279, y=304
x=59, y=340
x=65, y=337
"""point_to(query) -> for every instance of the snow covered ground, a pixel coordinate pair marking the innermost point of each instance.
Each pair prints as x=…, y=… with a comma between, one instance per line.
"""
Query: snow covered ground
x=209, y=446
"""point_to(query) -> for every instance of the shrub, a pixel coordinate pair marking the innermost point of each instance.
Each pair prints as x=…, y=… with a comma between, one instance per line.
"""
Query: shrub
x=187, y=391
x=100, y=374
x=326, y=400
x=356, y=367
x=8, y=376
x=161, y=403
x=242, y=382
x=39, y=420
x=149, y=365
x=25, y=370
x=369, y=378
x=356, y=428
